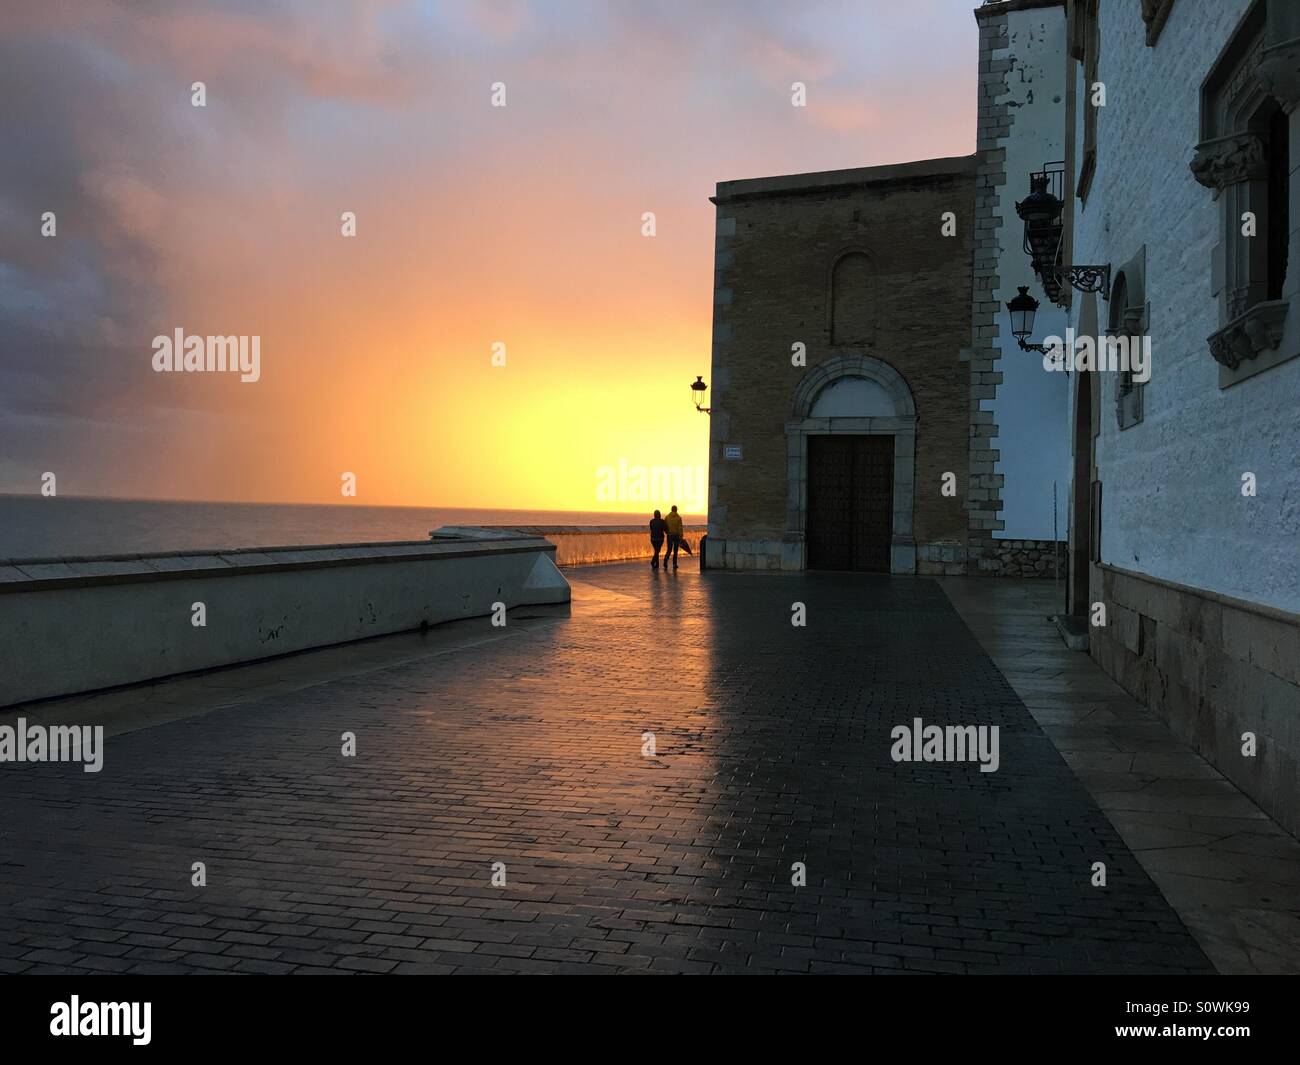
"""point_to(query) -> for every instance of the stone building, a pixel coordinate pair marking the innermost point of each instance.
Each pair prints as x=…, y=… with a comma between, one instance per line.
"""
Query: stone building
x=1185, y=509
x=866, y=410
x=849, y=272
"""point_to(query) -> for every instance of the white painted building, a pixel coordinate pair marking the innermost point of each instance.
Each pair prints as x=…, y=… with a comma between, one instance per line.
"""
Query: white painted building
x=1185, y=527
x=1022, y=130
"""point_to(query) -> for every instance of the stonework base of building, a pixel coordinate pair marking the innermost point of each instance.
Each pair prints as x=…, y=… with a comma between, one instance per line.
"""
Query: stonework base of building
x=1001, y=558
x=1007, y=558
x=1214, y=669
x=787, y=554
x=753, y=554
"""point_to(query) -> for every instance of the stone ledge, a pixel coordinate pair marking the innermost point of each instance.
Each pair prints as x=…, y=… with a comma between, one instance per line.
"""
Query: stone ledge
x=1273, y=613
x=825, y=180
x=1250, y=334
x=1264, y=637
x=28, y=575
x=73, y=627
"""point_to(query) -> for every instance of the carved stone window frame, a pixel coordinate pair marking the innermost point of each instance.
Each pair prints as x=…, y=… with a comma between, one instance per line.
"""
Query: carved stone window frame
x=1258, y=70
x=1129, y=316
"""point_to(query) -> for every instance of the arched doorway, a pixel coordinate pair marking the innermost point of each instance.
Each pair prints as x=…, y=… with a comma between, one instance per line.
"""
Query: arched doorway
x=851, y=446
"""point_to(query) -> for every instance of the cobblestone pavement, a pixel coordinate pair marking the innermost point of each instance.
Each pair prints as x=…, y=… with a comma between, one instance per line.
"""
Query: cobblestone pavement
x=772, y=747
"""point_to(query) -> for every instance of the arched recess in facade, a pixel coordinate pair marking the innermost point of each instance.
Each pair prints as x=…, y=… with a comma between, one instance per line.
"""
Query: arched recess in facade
x=901, y=424
x=852, y=298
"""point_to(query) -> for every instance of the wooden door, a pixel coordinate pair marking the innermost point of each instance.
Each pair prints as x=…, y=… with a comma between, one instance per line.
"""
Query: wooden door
x=850, y=516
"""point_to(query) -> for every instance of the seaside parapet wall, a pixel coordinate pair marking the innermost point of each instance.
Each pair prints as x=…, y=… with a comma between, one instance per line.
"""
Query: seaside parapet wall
x=81, y=624
x=582, y=545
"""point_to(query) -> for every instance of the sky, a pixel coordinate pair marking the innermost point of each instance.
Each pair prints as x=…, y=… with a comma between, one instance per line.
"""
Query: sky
x=476, y=225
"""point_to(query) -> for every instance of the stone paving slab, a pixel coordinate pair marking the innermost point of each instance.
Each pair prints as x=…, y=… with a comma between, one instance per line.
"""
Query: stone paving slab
x=1231, y=873
x=772, y=747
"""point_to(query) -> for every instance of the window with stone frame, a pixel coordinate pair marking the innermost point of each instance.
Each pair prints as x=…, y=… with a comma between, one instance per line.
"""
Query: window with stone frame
x=1127, y=324
x=1088, y=49
x=1245, y=159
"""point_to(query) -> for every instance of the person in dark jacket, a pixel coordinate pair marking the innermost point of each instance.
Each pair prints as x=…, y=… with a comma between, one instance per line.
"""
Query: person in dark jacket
x=658, y=530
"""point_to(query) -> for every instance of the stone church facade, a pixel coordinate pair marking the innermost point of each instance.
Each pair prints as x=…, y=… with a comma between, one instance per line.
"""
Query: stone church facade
x=850, y=270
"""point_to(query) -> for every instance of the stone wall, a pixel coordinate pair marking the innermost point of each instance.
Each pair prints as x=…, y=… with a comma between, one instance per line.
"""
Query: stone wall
x=778, y=241
x=1000, y=558
x=78, y=624
x=1214, y=668
x=1172, y=505
x=1025, y=558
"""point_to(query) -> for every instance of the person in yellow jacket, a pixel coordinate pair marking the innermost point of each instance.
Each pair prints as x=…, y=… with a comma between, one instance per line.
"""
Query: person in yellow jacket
x=674, y=522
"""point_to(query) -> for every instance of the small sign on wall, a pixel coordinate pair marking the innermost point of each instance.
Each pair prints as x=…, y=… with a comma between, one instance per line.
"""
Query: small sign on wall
x=732, y=452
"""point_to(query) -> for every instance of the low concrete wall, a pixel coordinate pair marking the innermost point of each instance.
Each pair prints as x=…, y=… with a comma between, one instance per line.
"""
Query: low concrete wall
x=1214, y=668
x=74, y=625
x=581, y=545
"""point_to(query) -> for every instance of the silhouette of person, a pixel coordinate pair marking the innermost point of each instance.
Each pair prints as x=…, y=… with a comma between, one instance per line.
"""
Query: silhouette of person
x=658, y=527
x=674, y=525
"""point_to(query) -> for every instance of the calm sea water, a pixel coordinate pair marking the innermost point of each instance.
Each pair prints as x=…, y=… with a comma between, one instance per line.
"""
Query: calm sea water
x=39, y=527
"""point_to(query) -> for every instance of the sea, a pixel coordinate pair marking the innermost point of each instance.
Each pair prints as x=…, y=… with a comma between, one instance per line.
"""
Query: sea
x=60, y=527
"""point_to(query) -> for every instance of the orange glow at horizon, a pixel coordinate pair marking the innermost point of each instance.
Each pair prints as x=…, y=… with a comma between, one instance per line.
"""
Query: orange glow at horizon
x=384, y=382
x=519, y=225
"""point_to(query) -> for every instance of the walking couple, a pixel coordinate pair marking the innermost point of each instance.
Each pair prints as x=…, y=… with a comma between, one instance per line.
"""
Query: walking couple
x=670, y=527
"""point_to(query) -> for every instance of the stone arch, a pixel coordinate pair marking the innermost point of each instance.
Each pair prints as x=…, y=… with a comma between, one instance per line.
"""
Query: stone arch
x=873, y=369
x=901, y=425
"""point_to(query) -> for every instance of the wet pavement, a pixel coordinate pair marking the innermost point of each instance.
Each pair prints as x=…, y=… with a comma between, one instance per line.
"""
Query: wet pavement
x=522, y=754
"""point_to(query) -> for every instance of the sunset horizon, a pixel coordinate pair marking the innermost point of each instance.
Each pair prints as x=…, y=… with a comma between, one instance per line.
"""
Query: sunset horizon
x=474, y=226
